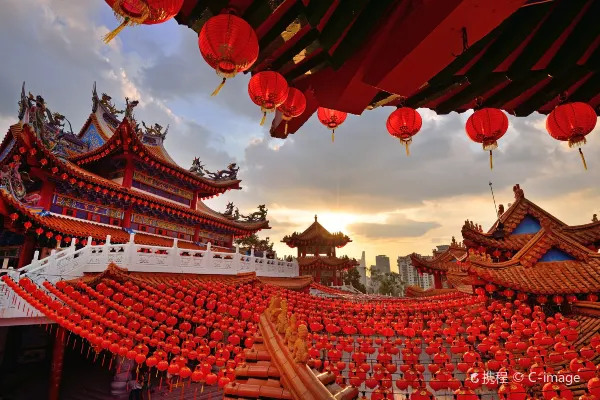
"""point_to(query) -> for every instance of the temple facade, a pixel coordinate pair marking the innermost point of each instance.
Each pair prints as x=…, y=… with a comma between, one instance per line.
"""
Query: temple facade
x=317, y=254
x=112, y=178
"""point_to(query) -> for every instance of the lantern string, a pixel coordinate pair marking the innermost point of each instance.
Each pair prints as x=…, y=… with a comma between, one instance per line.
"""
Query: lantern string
x=491, y=161
x=583, y=159
x=218, y=89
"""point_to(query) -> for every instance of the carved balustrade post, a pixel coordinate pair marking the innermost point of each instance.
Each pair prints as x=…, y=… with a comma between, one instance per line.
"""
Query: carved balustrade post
x=236, y=259
x=207, y=260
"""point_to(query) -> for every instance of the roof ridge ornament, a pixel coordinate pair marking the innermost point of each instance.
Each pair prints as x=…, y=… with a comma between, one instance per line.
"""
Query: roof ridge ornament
x=519, y=194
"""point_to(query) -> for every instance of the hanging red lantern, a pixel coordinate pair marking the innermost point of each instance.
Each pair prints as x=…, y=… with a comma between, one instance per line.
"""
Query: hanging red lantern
x=293, y=106
x=229, y=45
x=331, y=119
x=571, y=123
x=14, y=217
x=137, y=12
x=403, y=124
x=269, y=90
x=486, y=126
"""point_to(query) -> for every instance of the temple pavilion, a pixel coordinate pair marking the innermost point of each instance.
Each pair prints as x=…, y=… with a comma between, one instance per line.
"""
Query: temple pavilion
x=317, y=253
x=112, y=178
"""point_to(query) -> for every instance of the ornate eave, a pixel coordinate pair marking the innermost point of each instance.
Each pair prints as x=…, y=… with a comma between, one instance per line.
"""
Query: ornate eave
x=39, y=157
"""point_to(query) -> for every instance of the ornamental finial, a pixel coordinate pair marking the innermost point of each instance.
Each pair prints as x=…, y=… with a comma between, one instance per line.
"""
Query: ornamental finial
x=315, y=217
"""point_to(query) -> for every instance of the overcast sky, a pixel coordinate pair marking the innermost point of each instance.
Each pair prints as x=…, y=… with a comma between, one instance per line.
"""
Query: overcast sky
x=363, y=183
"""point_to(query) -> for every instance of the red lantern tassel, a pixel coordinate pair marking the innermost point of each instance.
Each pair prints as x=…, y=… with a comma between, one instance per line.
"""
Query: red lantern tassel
x=332, y=135
x=491, y=161
x=286, y=128
x=582, y=159
x=195, y=393
x=218, y=89
x=264, y=118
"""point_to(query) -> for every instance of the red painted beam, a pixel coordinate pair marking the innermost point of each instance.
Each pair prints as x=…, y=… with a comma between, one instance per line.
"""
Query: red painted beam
x=425, y=37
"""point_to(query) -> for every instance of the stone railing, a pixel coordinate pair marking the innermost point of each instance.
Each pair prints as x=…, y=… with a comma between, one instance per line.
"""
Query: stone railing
x=70, y=263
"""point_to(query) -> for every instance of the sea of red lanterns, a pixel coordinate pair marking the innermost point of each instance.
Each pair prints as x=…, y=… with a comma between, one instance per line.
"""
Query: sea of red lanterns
x=196, y=331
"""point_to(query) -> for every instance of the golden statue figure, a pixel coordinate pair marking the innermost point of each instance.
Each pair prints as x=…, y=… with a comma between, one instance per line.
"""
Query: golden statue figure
x=300, y=347
x=274, y=308
x=291, y=333
x=282, y=319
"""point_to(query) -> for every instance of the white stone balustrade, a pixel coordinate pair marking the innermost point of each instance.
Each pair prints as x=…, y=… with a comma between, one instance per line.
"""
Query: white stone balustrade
x=70, y=263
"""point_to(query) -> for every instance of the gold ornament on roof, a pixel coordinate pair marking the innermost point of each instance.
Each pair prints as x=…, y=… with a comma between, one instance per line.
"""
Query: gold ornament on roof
x=291, y=333
x=282, y=319
x=106, y=101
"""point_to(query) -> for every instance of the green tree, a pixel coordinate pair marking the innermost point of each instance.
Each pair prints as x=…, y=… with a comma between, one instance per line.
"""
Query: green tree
x=352, y=277
x=256, y=243
x=390, y=283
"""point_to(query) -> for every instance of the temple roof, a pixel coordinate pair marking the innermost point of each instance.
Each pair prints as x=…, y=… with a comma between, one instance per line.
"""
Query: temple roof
x=316, y=234
x=28, y=139
x=551, y=263
x=522, y=208
x=514, y=55
x=145, y=142
x=82, y=229
x=441, y=261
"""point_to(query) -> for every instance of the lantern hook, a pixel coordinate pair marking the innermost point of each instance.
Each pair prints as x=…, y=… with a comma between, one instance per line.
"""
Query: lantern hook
x=465, y=42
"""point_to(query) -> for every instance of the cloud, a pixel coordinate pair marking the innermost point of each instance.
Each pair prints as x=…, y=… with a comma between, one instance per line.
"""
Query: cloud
x=397, y=226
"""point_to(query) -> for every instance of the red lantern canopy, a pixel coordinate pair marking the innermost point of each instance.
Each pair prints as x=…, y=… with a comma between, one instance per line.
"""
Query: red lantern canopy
x=269, y=90
x=486, y=126
x=293, y=107
x=571, y=123
x=403, y=124
x=229, y=45
x=331, y=119
x=136, y=12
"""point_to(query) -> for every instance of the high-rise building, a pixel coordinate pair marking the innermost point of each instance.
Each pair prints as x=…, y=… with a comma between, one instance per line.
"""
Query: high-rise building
x=382, y=264
x=411, y=276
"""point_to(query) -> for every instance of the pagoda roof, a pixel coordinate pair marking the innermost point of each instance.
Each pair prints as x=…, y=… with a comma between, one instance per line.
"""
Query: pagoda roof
x=65, y=169
x=442, y=261
x=586, y=234
x=529, y=271
x=148, y=147
x=514, y=55
x=316, y=234
x=326, y=262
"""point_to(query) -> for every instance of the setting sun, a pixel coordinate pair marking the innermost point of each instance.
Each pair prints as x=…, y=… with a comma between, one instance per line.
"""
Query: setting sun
x=337, y=222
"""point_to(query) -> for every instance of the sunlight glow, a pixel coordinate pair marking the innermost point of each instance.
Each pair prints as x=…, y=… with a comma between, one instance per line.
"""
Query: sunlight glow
x=337, y=222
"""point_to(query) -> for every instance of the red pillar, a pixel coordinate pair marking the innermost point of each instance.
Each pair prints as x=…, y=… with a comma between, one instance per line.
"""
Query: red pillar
x=437, y=279
x=27, y=250
x=58, y=355
x=46, y=193
x=127, y=218
x=194, y=201
x=128, y=175
x=318, y=278
x=197, y=233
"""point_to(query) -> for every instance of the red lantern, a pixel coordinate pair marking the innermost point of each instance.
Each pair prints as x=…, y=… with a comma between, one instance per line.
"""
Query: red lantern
x=14, y=217
x=293, y=107
x=136, y=12
x=486, y=126
x=571, y=123
x=269, y=90
x=229, y=45
x=403, y=124
x=331, y=119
